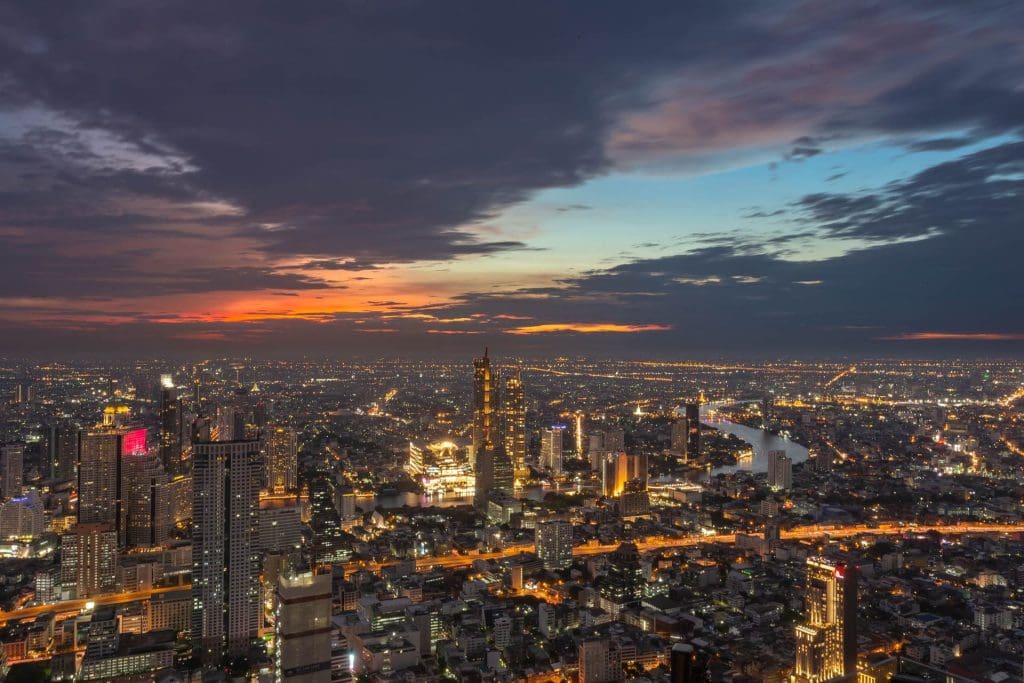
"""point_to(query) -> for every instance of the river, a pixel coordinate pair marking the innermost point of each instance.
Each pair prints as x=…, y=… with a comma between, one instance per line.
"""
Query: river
x=761, y=441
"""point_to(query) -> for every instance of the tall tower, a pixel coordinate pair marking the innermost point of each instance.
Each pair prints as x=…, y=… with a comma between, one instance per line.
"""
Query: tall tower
x=693, y=431
x=147, y=504
x=62, y=451
x=780, y=471
x=282, y=460
x=170, y=426
x=680, y=434
x=483, y=404
x=493, y=467
x=554, y=544
x=551, y=448
x=12, y=460
x=826, y=643
x=225, y=559
x=513, y=410
x=100, y=479
x=303, y=629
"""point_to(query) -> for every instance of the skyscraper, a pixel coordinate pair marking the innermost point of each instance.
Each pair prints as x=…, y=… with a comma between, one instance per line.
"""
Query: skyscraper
x=551, y=448
x=780, y=471
x=604, y=442
x=693, y=430
x=62, y=451
x=303, y=629
x=493, y=466
x=680, y=435
x=12, y=461
x=170, y=426
x=225, y=561
x=282, y=460
x=554, y=544
x=101, y=449
x=513, y=412
x=483, y=404
x=619, y=469
x=148, y=508
x=826, y=643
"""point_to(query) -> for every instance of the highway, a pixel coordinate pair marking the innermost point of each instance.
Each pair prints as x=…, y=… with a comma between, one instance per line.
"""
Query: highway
x=461, y=561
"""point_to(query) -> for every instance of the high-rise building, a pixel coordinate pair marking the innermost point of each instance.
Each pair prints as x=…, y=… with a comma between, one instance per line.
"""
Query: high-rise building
x=88, y=564
x=493, y=467
x=12, y=462
x=303, y=629
x=551, y=448
x=483, y=404
x=620, y=468
x=513, y=427
x=554, y=543
x=225, y=559
x=149, y=511
x=680, y=435
x=826, y=643
x=62, y=451
x=604, y=442
x=693, y=431
x=780, y=471
x=282, y=460
x=170, y=426
x=101, y=451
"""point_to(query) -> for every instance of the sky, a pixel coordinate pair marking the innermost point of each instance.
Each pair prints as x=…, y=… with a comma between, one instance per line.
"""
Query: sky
x=400, y=177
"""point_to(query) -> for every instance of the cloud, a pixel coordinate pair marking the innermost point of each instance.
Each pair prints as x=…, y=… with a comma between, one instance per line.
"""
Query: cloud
x=587, y=328
x=958, y=336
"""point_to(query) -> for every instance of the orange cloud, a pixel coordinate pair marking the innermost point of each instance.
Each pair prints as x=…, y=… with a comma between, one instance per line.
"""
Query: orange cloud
x=454, y=332
x=586, y=328
x=957, y=336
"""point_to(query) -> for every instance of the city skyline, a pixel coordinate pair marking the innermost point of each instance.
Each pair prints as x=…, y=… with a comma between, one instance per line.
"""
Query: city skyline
x=785, y=179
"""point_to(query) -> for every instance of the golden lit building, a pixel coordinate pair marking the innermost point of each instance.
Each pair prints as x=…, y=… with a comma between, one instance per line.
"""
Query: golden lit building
x=826, y=643
x=441, y=467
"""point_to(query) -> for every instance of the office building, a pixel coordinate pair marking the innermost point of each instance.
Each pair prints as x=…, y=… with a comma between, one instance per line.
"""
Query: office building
x=780, y=471
x=826, y=643
x=22, y=518
x=554, y=544
x=681, y=668
x=282, y=460
x=551, y=449
x=680, y=436
x=302, y=653
x=693, y=431
x=225, y=555
x=513, y=427
x=100, y=480
x=89, y=560
x=12, y=462
x=279, y=523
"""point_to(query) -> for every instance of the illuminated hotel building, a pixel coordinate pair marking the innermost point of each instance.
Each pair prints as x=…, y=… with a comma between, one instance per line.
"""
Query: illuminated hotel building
x=780, y=471
x=513, y=427
x=554, y=544
x=680, y=434
x=225, y=547
x=88, y=560
x=483, y=404
x=826, y=643
x=604, y=442
x=282, y=460
x=100, y=454
x=440, y=467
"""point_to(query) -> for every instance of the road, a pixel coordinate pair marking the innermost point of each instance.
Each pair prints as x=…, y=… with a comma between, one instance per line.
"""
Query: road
x=460, y=561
